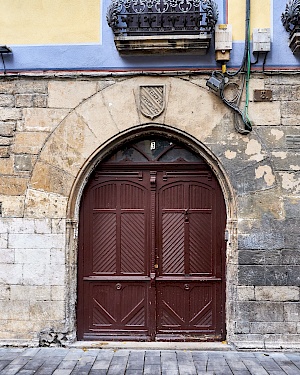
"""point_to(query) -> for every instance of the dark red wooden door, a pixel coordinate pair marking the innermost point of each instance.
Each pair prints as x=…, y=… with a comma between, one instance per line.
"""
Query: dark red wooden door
x=190, y=265
x=151, y=248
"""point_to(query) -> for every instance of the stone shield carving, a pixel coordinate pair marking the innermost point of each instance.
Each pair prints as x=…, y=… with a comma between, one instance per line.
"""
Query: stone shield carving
x=152, y=100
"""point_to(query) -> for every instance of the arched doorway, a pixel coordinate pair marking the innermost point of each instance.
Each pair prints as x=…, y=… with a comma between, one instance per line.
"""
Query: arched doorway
x=151, y=259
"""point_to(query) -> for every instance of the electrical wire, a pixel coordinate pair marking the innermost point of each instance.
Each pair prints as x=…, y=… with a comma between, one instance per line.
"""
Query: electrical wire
x=245, y=67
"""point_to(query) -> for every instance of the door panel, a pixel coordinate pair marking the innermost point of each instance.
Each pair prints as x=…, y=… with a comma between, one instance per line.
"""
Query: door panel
x=117, y=306
x=186, y=308
x=200, y=244
x=132, y=241
x=104, y=243
x=115, y=280
x=173, y=243
x=188, y=281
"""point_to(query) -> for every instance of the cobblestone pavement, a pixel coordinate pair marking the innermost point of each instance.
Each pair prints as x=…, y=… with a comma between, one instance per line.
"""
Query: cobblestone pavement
x=59, y=361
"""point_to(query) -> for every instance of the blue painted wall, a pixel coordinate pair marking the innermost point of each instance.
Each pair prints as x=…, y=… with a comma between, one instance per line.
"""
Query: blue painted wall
x=104, y=56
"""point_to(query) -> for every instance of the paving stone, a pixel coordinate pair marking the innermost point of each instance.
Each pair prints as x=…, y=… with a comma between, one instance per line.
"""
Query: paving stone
x=254, y=367
x=81, y=370
x=3, y=364
x=20, y=361
x=101, y=365
x=98, y=372
x=290, y=369
x=187, y=370
x=74, y=354
x=117, y=353
x=117, y=369
x=62, y=372
x=30, y=352
x=34, y=364
x=169, y=372
x=152, y=353
x=236, y=365
x=200, y=366
x=152, y=369
x=152, y=360
x=7, y=356
x=11, y=370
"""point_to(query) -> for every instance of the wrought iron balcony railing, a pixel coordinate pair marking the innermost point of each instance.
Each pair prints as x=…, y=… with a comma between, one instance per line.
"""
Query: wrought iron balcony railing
x=164, y=23
x=291, y=22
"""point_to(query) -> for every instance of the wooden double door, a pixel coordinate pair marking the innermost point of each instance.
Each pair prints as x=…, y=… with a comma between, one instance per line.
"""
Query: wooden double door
x=151, y=250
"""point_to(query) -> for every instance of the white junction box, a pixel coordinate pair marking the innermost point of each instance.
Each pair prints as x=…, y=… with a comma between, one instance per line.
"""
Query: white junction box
x=223, y=42
x=223, y=37
x=261, y=40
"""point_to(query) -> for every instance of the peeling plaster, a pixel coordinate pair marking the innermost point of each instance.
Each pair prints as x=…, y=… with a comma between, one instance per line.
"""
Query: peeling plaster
x=281, y=155
x=230, y=154
x=266, y=172
x=278, y=134
x=254, y=149
x=295, y=167
x=290, y=182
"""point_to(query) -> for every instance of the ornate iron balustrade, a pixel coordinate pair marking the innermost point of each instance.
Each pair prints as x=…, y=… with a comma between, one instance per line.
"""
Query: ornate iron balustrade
x=291, y=17
x=291, y=22
x=157, y=19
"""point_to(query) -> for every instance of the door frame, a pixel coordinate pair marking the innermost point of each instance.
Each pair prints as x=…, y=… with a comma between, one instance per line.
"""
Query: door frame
x=72, y=221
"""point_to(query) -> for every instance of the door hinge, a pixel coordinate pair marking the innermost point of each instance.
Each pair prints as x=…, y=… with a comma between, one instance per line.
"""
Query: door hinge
x=226, y=237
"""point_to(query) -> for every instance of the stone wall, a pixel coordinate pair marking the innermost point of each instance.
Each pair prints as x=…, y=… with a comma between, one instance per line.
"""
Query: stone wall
x=53, y=130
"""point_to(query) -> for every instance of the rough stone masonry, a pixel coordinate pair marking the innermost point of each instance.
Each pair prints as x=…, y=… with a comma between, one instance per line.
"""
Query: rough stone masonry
x=52, y=127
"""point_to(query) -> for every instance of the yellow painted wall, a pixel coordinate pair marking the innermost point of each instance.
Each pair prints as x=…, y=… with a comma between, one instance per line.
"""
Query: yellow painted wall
x=49, y=21
x=260, y=16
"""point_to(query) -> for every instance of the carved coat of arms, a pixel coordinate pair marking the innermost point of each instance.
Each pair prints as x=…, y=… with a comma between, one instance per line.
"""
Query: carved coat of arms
x=152, y=100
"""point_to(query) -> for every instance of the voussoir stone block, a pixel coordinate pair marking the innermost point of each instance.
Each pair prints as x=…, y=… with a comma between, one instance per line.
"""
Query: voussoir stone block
x=70, y=145
x=51, y=179
x=193, y=109
x=96, y=115
x=120, y=99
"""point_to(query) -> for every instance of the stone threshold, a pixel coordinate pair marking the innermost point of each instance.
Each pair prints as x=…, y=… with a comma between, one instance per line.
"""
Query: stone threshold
x=153, y=345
